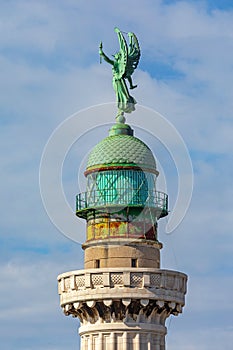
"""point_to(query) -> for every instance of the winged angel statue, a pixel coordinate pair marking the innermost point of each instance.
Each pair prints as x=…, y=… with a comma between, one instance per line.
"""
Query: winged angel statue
x=123, y=66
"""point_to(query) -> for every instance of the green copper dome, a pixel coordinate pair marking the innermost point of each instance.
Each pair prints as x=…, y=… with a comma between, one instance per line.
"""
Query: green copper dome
x=121, y=150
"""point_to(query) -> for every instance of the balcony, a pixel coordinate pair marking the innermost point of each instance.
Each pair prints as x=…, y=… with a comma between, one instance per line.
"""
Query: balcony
x=161, y=290
x=95, y=200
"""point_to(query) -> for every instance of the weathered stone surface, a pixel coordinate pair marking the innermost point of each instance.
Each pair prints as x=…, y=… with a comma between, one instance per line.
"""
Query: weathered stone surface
x=110, y=255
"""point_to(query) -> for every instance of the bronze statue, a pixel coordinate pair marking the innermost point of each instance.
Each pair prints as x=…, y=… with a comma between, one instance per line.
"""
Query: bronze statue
x=123, y=66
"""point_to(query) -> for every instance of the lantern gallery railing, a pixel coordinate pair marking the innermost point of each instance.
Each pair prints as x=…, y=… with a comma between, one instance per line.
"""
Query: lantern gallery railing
x=104, y=198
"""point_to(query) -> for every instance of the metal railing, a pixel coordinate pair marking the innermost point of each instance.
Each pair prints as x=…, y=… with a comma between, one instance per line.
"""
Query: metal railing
x=95, y=199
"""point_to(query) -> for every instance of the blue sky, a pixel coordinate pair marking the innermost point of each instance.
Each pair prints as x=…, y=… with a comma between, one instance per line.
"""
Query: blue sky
x=49, y=70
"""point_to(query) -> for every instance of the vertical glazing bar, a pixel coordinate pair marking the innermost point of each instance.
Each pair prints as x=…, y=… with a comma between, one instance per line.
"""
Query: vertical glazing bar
x=126, y=191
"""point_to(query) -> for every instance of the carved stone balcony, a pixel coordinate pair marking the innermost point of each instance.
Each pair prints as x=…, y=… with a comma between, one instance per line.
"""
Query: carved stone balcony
x=126, y=289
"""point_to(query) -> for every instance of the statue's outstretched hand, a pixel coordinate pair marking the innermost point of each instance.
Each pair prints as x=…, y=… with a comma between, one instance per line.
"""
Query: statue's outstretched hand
x=100, y=48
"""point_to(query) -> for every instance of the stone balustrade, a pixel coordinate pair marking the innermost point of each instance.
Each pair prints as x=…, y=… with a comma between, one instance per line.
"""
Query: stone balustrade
x=141, y=278
x=126, y=284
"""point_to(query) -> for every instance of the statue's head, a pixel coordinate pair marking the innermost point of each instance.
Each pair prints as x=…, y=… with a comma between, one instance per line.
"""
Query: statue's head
x=117, y=56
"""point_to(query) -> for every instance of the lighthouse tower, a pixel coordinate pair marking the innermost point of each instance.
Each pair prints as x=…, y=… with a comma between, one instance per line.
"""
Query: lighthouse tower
x=122, y=297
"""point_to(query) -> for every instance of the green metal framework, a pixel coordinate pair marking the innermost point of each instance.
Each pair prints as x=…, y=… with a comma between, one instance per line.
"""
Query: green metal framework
x=121, y=186
x=125, y=188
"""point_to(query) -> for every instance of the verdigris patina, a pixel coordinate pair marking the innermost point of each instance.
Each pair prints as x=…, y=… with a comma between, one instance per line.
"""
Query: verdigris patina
x=123, y=66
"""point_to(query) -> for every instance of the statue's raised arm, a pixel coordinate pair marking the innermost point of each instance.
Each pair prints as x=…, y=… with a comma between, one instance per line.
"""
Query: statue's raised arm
x=123, y=66
x=102, y=54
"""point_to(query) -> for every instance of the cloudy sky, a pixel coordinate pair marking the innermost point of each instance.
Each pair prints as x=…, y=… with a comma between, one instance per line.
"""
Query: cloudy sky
x=49, y=71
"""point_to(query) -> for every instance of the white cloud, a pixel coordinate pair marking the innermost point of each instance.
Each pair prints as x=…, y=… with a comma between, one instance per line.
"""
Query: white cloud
x=30, y=311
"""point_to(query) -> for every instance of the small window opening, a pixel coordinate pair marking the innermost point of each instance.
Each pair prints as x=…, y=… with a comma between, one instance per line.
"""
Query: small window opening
x=134, y=262
x=97, y=263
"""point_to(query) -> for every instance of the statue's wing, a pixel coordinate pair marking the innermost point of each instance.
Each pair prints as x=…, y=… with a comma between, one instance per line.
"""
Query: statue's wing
x=133, y=53
x=122, y=55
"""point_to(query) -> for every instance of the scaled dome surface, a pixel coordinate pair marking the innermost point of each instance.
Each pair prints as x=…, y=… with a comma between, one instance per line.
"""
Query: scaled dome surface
x=121, y=150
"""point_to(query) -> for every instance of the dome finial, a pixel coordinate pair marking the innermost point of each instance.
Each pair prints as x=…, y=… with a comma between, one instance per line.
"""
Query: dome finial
x=120, y=117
